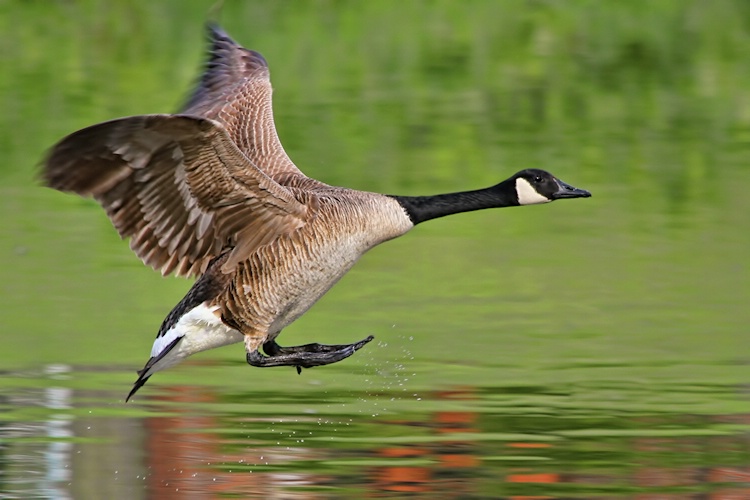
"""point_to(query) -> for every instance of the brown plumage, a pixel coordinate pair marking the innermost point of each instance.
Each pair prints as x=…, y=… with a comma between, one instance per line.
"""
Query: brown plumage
x=211, y=193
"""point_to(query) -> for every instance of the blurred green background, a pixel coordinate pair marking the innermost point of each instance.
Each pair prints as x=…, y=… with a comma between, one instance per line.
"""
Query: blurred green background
x=624, y=313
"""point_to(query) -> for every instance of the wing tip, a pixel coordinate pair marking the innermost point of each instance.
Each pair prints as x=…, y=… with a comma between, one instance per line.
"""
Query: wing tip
x=223, y=45
x=227, y=64
x=215, y=32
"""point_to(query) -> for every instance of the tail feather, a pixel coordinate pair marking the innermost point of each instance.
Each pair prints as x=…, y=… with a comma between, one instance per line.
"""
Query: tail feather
x=145, y=373
x=138, y=384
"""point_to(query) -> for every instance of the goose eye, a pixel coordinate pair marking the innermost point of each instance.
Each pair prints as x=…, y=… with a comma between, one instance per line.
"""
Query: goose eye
x=538, y=179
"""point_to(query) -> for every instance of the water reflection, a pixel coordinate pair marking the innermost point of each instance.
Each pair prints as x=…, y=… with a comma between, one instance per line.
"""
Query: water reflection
x=192, y=453
x=198, y=442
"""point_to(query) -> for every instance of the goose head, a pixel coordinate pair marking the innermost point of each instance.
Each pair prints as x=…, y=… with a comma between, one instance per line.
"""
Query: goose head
x=533, y=186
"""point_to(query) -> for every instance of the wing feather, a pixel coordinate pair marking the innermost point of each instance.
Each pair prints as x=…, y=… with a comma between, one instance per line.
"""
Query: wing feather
x=178, y=186
x=235, y=90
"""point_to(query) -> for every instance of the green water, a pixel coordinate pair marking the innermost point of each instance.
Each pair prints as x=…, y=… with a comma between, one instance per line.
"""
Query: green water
x=590, y=348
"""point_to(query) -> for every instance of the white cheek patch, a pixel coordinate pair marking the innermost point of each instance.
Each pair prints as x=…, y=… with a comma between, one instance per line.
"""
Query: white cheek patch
x=527, y=195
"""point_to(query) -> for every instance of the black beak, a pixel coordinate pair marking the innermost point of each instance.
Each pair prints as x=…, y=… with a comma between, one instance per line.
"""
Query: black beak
x=568, y=191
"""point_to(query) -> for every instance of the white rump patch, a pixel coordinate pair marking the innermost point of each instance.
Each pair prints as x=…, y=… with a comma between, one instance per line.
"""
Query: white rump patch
x=162, y=342
x=527, y=195
x=198, y=318
x=200, y=329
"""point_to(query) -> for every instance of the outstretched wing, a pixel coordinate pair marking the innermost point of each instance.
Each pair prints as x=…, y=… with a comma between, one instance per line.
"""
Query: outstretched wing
x=235, y=90
x=179, y=187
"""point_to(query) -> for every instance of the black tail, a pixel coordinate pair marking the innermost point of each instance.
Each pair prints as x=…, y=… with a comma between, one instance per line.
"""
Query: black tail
x=138, y=384
x=142, y=377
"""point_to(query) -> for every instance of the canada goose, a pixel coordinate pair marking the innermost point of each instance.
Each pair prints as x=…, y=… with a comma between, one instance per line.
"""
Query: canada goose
x=211, y=193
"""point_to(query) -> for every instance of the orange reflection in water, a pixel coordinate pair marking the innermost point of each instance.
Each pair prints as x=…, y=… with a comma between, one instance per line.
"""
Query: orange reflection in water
x=188, y=458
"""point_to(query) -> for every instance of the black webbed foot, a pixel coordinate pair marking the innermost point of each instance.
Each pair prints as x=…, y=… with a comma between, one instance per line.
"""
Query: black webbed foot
x=303, y=356
x=271, y=348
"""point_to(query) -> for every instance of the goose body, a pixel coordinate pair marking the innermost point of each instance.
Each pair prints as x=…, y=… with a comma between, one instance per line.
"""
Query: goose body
x=211, y=193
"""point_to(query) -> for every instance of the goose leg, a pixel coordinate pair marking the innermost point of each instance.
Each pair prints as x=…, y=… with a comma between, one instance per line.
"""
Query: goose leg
x=271, y=348
x=303, y=356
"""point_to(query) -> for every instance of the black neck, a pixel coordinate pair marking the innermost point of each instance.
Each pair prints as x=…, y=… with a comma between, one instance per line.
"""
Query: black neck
x=423, y=208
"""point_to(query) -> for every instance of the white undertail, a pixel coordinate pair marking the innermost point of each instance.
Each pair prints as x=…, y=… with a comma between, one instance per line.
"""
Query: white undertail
x=199, y=329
